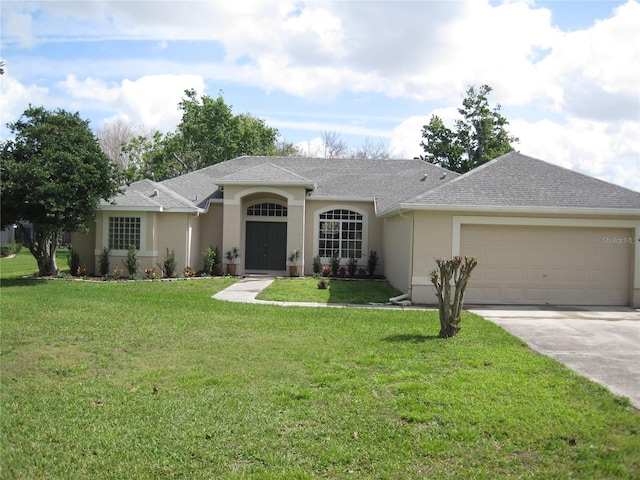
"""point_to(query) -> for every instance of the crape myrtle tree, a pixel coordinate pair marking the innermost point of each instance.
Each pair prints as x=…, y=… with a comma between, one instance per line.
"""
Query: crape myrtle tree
x=478, y=137
x=458, y=271
x=54, y=174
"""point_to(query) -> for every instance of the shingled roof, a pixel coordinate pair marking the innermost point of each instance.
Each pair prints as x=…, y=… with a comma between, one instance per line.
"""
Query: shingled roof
x=516, y=180
x=385, y=181
x=148, y=195
x=510, y=181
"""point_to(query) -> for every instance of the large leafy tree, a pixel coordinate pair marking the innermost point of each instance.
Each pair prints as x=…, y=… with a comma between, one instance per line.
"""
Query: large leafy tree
x=478, y=137
x=53, y=176
x=208, y=133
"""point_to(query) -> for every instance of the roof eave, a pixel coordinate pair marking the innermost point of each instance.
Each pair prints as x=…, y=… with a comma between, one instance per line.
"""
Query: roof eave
x=252, y=183
x=512, y=209
x=151, y=209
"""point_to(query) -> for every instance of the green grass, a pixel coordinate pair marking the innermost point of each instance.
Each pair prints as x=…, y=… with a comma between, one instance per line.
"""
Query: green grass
x=339, y=291
x=267, y=392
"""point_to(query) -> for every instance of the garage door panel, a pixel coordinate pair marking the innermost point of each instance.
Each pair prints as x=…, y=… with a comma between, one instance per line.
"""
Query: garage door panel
x=547, y=265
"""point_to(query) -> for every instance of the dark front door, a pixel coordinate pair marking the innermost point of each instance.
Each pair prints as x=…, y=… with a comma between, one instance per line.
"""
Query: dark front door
x=266, y=246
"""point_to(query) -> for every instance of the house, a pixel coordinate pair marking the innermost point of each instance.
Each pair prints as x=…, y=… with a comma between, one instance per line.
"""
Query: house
x=542, y=234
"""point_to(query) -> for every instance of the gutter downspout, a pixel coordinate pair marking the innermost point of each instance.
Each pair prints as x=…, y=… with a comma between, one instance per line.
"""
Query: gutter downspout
x=189, y=238
x=412, y=218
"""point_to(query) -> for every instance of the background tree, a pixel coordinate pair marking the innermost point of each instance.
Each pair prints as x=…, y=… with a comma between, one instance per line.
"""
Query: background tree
x=113, y=136
x=479, y=136
x=53, y=176
x=210, y=133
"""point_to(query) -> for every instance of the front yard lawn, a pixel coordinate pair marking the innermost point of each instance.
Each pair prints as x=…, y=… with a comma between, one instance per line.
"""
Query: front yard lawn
x=158, y=380
x=339, y=291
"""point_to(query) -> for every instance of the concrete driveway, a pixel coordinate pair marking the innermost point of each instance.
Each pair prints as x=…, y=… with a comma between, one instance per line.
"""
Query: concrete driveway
x=601, y=343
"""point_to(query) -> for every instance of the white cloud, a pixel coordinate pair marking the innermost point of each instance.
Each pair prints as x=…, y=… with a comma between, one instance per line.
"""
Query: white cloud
x=151, y=100
x=15, y=97
x=18, y=26
x=598, y=69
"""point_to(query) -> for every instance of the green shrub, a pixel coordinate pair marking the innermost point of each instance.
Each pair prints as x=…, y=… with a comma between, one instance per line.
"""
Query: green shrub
x=169, y=264
x=11, y=248
x=74, y=261
x=132, y=263
x=103, y=262
x=209, y=261
x=372, y=262
x=335, y=263
x=317, y=265
x=352, y=267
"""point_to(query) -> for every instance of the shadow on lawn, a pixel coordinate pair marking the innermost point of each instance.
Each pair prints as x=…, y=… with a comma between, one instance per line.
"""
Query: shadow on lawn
x=21, y=282
x=411, y=338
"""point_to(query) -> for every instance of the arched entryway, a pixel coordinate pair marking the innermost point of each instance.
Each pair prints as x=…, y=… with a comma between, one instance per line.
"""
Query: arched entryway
x=266, y=235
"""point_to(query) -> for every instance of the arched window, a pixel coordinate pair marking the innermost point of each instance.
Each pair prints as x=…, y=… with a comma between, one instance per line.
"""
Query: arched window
x=266, y=210
x=340, y=231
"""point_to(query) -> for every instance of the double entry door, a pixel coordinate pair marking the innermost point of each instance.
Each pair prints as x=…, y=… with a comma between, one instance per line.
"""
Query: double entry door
x=266, y=246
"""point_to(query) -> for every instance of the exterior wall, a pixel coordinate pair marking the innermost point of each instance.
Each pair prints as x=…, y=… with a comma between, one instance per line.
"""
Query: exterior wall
x=174, y=231
x=148, y=253
x=398, y=246
x=373, y=236
x=432, y=238
x=209, y=234
x=438, y=234
x=85, y=245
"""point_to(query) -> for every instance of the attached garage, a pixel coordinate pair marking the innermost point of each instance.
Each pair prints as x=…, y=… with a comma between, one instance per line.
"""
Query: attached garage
x=549, y=264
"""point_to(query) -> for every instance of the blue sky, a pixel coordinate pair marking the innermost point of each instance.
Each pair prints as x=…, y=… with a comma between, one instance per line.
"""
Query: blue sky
x=567, y=73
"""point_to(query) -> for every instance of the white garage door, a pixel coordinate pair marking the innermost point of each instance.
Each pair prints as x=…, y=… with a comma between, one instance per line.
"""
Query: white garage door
x=548, y=265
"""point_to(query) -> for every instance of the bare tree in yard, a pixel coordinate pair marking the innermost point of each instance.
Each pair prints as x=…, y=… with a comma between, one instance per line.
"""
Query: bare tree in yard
x=370, y=150
x=450, y=309
x=333, y=146
x=113, y=136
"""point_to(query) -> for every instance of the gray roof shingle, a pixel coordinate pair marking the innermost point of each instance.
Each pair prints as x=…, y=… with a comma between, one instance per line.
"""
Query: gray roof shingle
x=385, y=181
x=512, y=180
x=516, y=180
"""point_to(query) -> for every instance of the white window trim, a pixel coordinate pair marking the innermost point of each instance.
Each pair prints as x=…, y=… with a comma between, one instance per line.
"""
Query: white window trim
x=365, y=230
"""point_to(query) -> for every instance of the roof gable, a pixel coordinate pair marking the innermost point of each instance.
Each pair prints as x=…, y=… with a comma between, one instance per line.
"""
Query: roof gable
x=265, y=174
x=516, y=180
x=149, y=195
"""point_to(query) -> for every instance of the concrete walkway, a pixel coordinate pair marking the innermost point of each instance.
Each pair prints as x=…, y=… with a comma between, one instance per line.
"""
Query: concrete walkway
x=246, y=290
x=603, y=344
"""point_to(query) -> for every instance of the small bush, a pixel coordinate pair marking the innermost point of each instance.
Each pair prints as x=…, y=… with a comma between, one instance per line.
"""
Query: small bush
x=372, y=263
x=103, y=262
x=342, y=272
x=352, y=267
x=74, y=262
x=11, y=248
x=317, y=265
x=323, y=284
x=216, y=261
x=326, y=270
x=169, y=264
x=117, y=273
x=132, y=263
x=83, y=270
x=335, y=263
x=189, y=272
x=151, y=273
x=209, y=261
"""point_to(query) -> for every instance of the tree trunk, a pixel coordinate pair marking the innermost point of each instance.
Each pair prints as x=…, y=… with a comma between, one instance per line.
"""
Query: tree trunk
x=450, y=311
x=43, y=247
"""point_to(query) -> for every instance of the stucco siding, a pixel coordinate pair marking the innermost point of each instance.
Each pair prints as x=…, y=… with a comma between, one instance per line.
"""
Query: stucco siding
x=85, y=245
x=397, y=239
